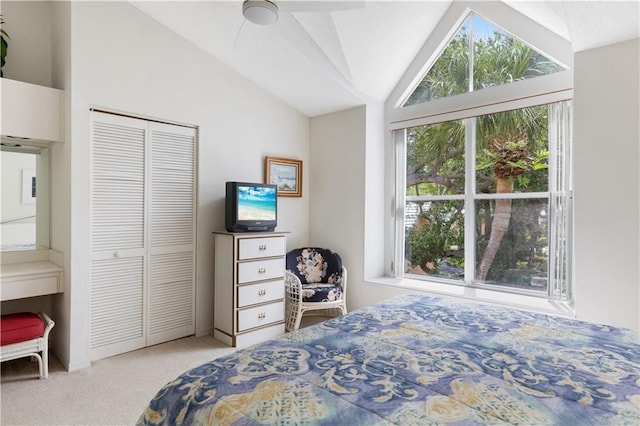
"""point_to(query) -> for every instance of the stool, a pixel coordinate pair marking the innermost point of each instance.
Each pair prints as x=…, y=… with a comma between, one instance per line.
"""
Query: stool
x=26, y=334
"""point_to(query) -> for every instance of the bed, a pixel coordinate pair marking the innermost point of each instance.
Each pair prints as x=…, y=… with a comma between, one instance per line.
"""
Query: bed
x=418, y=360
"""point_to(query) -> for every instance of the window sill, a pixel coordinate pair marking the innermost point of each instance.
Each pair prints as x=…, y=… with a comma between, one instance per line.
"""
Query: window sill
x=520, y=301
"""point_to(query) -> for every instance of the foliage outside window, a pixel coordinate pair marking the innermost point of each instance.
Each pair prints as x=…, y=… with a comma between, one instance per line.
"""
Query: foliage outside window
x=494, y=58
x=510, y=234
x=486, y=198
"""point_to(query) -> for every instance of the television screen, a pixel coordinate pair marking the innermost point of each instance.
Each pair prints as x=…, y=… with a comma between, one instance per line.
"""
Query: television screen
x=256, y=203
x=251, y=207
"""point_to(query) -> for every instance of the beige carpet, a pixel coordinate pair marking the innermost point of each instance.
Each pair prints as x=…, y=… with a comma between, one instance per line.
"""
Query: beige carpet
x=113, y=391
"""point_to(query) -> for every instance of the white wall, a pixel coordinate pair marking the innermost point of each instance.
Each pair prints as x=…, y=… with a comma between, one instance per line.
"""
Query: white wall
x=29, y=50
x=110, y=55
x=336, y=213
x=348, y=181
x=60, y=176
x=607, y=184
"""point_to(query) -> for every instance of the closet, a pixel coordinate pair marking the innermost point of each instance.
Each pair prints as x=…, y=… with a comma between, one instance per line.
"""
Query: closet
x=143, y=195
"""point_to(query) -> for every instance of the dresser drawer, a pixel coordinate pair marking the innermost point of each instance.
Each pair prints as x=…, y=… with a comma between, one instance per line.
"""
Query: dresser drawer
x=260, y=315
x=259, y=293
x=258, y=270
x=254, y=248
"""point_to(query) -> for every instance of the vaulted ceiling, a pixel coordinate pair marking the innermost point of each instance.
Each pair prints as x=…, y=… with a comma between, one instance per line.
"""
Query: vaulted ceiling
x=325, y=56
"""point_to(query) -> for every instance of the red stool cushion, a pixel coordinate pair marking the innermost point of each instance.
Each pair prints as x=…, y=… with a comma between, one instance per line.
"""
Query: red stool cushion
x=16, y=328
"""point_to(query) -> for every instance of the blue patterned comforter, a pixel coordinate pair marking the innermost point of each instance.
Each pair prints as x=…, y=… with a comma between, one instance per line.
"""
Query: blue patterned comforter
x=417, y=360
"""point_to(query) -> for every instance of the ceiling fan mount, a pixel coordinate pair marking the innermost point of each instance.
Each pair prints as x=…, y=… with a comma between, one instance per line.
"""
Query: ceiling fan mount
x=267, y=12
x=261, y=12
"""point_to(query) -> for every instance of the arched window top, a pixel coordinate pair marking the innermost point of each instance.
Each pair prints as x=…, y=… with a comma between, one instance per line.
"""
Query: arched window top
x=480, y=54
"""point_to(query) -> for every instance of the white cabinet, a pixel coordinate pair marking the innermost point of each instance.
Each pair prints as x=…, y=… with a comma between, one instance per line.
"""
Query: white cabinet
x=20, y=280
x=31, y=111
x=30, y=273
x=249, y=287
x=143, y=216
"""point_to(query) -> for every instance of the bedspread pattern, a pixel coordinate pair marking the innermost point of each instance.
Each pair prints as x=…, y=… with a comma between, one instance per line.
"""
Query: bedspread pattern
x=418, y=360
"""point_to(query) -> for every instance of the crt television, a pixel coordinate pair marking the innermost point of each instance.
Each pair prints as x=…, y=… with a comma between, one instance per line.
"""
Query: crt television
x=251, y=207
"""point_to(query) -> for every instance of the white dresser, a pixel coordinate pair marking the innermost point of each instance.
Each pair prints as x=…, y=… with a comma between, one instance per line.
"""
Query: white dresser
x=249, y=287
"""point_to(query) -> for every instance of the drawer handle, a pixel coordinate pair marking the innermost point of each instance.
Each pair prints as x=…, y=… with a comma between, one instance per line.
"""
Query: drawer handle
x=262, y=247
x=262, y=292
x=262, y=315
x=262, y=270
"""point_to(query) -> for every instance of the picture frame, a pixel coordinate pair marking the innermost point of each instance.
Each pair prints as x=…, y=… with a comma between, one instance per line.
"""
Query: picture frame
x=286, y=173
x=28, y=186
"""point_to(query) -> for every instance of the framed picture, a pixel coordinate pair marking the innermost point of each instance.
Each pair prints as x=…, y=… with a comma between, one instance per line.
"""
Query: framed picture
x=286, y=173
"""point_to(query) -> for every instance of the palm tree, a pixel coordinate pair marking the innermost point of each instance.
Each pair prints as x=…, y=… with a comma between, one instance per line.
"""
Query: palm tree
x=506, y=139
x=504, y=142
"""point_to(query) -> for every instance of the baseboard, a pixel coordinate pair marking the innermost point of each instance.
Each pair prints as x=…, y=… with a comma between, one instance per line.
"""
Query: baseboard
x=80, y=365
x=205, y=332
x=73, y=366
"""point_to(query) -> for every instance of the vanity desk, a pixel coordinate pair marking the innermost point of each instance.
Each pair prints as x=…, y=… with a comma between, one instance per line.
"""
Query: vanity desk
x=32, y=120
x=30, y=273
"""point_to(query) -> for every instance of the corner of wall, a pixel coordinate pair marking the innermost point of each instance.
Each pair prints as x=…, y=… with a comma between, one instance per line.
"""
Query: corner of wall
x=607, y=184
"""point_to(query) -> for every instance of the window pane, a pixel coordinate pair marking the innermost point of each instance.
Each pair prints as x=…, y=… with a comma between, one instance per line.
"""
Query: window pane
x=512, y=246
x=449, y=75
x=512, y=151
x=435, y=159
x=498, y=58
x=434, y=238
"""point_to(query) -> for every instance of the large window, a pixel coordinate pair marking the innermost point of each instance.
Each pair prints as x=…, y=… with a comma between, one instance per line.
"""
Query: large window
x=486, y=196
x=483, y=201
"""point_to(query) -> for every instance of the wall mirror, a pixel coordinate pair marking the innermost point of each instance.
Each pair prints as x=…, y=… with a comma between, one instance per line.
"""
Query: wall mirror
x=24, y=215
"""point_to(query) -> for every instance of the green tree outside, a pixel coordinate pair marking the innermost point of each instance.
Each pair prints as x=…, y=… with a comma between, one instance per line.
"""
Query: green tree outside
x=511, y=156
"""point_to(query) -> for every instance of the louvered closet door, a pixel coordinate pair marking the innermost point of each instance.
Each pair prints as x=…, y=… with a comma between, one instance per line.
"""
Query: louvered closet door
x=171, y=282
x=142, y=233
x=117, y=291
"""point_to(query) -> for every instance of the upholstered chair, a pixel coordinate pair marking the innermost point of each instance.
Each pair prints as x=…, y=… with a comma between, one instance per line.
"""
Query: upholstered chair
x=315, y=280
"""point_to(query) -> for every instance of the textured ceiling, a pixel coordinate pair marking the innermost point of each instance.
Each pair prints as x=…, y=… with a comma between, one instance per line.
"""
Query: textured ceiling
x=325, y=56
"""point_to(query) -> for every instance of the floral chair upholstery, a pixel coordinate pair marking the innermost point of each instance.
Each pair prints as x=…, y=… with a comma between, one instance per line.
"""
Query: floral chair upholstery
x=315, y=280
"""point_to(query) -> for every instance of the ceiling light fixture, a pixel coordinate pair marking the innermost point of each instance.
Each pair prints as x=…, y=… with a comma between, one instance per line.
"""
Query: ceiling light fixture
x=261, y=12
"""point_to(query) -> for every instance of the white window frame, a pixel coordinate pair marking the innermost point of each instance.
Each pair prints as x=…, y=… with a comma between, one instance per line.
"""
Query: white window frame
x=558, y=195
x=547, y=89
